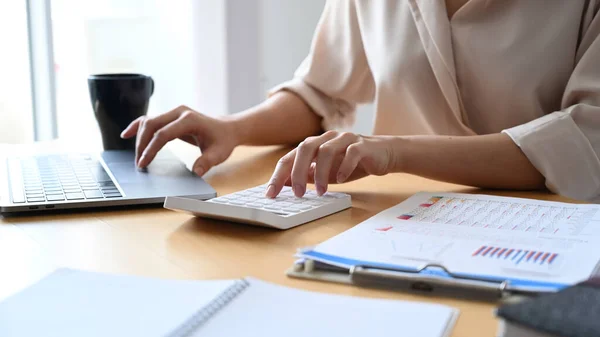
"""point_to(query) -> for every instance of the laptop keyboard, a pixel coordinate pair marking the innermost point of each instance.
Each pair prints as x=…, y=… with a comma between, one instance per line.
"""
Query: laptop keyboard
x=59, y=178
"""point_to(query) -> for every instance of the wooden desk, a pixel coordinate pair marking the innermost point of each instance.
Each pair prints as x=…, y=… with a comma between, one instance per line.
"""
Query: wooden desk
x=161, y=243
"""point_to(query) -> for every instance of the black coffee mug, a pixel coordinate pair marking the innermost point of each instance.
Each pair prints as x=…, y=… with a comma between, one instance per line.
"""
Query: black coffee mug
x=117, y=100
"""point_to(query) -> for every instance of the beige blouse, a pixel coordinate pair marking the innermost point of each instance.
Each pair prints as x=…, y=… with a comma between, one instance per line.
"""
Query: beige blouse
x=528, y=68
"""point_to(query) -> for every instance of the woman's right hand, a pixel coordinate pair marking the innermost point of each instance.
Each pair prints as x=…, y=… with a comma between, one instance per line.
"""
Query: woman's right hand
x=215, y=138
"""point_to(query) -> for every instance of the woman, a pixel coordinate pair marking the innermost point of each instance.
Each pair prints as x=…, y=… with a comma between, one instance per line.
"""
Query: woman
x=488, y=93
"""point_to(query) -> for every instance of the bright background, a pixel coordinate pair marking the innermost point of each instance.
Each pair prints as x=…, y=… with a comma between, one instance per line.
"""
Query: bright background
x=216, y=56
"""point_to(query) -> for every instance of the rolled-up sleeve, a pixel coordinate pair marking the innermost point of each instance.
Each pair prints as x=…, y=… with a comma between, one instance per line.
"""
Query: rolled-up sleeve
x=565, y=145
x=335, y=76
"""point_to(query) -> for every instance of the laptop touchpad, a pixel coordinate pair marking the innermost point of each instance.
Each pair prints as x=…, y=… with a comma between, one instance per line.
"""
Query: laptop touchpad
x=158, y=170
x=160, y=179
x=165, y=176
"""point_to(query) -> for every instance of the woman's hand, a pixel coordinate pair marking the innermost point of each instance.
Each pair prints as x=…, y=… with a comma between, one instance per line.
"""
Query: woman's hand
x=215, y=138
x=330, y=158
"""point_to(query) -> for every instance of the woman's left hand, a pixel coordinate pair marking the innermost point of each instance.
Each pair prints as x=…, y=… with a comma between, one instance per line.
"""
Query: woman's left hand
x=333, y=157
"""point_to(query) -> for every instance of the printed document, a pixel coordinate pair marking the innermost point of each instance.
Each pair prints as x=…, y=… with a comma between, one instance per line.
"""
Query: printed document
x=535, y=245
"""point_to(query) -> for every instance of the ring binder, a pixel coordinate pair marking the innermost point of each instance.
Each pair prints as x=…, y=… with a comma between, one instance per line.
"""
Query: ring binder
x=464, y=245
x=416, y=280
x=204, y=315
x=431, y=278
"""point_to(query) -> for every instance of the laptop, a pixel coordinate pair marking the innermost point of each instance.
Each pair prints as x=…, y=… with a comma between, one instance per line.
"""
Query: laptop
x=58, y=181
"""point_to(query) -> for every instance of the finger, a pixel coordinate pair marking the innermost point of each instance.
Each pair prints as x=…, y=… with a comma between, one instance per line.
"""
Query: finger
x=325, y=156
x=310, y=178
x=132, y=128
x=311, y=173
x=190, y=140
x=354, y=153
x=210, y=157
x=281, y=174
x=307, y=151
x=148, y=126
x=171, y=131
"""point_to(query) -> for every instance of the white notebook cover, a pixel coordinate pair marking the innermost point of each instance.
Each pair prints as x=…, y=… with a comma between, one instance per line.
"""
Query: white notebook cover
x=71, y=303
x=266, y=310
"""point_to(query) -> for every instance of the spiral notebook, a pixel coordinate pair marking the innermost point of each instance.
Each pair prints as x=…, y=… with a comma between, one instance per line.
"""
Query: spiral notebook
x=78, y=303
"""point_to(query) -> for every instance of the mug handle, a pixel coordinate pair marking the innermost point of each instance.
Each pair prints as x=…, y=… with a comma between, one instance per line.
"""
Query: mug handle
x=152, y=90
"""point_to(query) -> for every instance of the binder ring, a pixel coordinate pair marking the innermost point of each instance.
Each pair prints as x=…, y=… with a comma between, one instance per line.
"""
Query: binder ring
x=361, y=271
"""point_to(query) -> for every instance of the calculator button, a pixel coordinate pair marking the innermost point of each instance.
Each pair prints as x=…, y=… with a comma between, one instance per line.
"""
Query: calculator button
x=272, y=207
x=327, y=197
x=303, y=207
x=286, y=205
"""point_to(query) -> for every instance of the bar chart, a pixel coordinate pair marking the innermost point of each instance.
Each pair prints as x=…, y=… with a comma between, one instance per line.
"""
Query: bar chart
x=516, y=256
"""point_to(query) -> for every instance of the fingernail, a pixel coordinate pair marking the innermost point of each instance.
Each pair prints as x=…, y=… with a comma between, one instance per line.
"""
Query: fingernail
x=341, y=177
x=321, y=190
x=298, y=190
x=270, y=191
x=199, y=171
x=123, y=134
x=142, y=160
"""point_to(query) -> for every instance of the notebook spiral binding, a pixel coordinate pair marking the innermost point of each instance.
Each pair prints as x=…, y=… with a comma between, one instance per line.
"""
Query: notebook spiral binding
x=204, y=314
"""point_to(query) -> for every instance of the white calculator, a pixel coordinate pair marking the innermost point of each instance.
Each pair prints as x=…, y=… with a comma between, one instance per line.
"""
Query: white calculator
x=252, y=207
